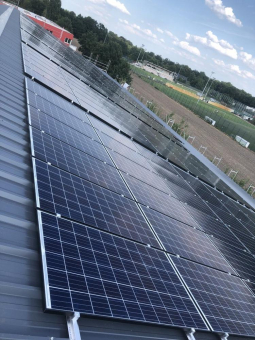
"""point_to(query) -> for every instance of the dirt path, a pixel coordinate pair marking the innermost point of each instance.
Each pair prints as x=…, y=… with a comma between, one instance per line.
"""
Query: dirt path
x=218, y=144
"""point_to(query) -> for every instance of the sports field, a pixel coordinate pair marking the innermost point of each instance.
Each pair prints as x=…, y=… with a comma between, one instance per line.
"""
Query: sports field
x=226, y=121
x=234, y=156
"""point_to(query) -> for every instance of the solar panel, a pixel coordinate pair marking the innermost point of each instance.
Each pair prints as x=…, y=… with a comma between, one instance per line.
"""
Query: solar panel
x=60, y=192
x=66, y=134
x=93, y=272
x=65, y=157
x=141, y=173
x=158, y=200
x=64, y=111
x=179, y=238
x=241, y=260
x=224, y=299
x=110, y=132
x=49, y=74
x=69, y=120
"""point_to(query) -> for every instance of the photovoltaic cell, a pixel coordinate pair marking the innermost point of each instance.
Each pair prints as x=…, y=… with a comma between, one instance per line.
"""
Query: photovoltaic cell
x=69, y=121
x=66, y=134
x=141, y=173
x=110, y=132
x=213, y=226
x=241, y=260
x=133, y=156
x=159, y=201
x=112, y=144
x=60, y=192
x=47, y=95
x=225, y=300
x=179, y=238
x=76, y=162
x=64, y=115
x=86, y=144
x=92, y=272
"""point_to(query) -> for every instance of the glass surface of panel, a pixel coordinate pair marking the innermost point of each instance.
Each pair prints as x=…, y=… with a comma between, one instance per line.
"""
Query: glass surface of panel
x=225, y=300
x=92, y=272
x=76, y=162
x=60, y=192
x=179, y=238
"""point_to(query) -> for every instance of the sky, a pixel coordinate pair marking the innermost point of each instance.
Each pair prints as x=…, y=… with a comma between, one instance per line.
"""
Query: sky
x=207, y=35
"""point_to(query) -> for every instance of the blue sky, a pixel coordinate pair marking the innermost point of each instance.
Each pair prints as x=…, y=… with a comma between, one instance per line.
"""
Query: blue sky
x=207, y=35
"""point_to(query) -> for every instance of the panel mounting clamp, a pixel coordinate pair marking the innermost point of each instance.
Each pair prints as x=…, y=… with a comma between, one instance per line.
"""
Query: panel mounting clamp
x=224, y=336
x=190, y=333
x=72, y=325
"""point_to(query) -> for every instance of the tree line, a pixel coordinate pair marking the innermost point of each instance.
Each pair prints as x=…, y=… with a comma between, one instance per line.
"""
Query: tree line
x=95, y=38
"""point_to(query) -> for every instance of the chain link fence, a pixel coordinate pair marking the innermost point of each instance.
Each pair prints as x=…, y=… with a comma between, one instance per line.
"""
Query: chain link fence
x=223, y=120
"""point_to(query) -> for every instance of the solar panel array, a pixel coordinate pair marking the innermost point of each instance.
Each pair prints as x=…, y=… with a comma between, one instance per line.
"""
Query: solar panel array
x=124, y=233
x=66, y=62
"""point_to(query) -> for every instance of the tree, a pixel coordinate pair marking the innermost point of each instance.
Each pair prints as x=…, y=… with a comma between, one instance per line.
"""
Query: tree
x=35, y=6
x=92, y=35
x=89, y=43
x=53, y=9
x=66, y=23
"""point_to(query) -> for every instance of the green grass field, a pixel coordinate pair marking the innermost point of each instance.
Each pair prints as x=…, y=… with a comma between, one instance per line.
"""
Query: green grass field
x=142, y=72
x=225, y=120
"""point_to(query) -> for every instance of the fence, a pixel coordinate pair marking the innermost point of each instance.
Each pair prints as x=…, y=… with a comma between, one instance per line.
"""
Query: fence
x=227, y=122
x=233, y=127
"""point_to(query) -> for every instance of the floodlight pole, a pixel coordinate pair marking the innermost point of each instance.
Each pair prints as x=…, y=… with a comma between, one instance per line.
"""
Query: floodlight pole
x=143, y=55
x=209, y=87
x=206, y=86
x=139, y=53
x=105, y=37
x=179, y=72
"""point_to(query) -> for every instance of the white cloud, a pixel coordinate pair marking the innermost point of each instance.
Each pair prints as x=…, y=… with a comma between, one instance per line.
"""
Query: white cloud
x=124, y=21
x=136, y=26
x=149, y=33
x=114, y=3
x=187, y=56
x=186, y=46
x=223, y=12
x=117, y=4
x=212, y=41
x=219, y=62
x=162, y=40
x=234, y=69
x=136, y=29
x=248, y=59
x=160, y=30
x=170, y=34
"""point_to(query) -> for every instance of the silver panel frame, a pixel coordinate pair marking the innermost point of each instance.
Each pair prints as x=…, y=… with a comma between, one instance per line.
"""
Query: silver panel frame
x=44, y=262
